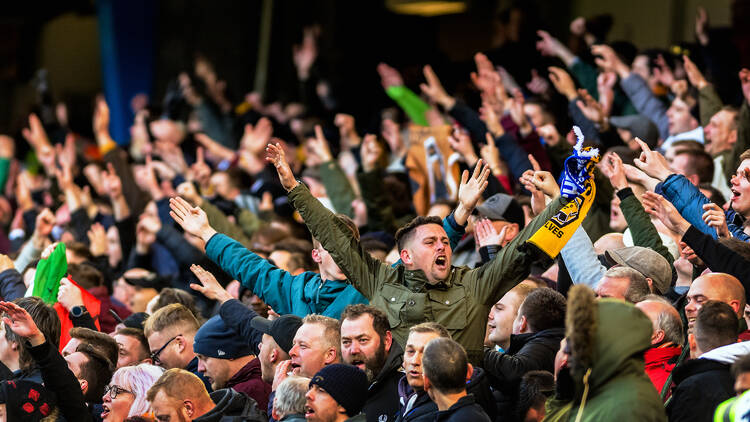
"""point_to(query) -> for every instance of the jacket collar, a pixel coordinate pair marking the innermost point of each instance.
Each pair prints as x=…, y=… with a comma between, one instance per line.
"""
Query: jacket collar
x=695, y=367
x=517, y=341
x=661, y=354
x=392, y=364
x=250, y=371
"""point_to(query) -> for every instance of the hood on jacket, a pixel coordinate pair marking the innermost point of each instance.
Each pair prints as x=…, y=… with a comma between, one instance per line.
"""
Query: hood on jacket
x=604, y=335
x=728, y=354
x=231, y=403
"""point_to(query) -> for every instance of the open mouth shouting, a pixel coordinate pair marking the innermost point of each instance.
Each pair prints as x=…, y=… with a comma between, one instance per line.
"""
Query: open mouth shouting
x=105, y=411
x=441, y=262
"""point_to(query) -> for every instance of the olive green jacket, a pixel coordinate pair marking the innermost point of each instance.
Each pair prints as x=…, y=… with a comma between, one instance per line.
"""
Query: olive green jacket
x=239, y=232
x=619, y=389
x=461, y=303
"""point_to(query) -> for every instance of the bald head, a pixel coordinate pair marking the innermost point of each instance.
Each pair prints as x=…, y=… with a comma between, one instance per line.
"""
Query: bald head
x=666, y=321
x=714, y=286
x=609, y=242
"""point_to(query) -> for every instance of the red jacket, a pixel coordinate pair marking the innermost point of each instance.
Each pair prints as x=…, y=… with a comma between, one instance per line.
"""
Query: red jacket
x=659, y=364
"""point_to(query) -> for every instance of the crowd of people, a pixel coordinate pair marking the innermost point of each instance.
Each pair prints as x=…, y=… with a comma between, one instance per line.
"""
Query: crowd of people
x=571, y=249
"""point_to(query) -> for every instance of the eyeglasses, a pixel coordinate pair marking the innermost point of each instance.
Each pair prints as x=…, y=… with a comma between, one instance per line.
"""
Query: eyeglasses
x=155, y=356
x=114, y=390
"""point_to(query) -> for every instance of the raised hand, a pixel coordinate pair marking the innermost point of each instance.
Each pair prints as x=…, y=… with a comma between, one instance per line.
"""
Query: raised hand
x=486, y=78
x=470, y=191
x=694, y=74
x=662, y=209
x=215, y=149
x=187, y=190
x=275, y=156
x=486, y=234
x=662, y=72
x=304, y=54
x=460, y=141
x=434, y=89
x=97, y=240
x=319, y=145
x=209, y=287
x=45, y=222
x=701, y=26
x=19, y=320
x=537, y=85
x=605, y=84
x=652, y=162
x=389, y=76
x=608, y=60
x=491, y=155
x=69, y=295
x=551, y=46
x=488, y=114
x=562, y=82
x=715, y=217
x=257, y=137
x=591, y=109
x=192, y=219
x=35, y=134
x=612, y=167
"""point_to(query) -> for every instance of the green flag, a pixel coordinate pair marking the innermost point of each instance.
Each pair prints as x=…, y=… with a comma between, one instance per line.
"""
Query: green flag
x=49, y=272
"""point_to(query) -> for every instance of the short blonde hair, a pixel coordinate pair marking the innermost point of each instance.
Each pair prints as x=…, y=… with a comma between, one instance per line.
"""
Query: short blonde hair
x=175, y=315
x=332, y=329
x=137, y=379
x=179, y=384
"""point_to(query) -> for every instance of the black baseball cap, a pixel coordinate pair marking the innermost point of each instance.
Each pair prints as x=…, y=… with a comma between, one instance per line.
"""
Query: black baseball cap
x=282, y=329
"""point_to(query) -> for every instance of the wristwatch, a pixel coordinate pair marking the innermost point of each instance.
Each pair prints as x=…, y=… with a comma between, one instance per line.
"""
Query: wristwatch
x=78, y=311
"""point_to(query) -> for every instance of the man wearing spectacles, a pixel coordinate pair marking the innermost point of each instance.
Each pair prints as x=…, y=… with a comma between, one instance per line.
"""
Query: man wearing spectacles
x=170, y=332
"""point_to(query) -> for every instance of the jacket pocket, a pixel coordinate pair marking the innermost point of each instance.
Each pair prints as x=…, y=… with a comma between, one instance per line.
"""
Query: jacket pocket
x=449, y=307
x=393, y=299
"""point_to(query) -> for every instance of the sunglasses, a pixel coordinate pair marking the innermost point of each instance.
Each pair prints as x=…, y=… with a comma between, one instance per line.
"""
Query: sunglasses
x=155, y=356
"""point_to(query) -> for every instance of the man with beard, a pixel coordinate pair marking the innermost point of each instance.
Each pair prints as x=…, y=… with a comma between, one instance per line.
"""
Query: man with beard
x=367, y=343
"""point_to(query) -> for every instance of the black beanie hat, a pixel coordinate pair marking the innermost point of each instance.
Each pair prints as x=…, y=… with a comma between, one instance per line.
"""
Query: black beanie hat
x=347, y=385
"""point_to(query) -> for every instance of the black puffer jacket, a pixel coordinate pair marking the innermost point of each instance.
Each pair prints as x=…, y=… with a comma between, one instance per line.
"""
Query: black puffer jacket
x=232, y=406
x=382, y=396
x=527, y=352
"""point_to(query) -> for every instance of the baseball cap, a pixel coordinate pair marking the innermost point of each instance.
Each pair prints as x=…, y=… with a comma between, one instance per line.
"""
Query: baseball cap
x=502, y=207
x=282, y=329
x=647, y=262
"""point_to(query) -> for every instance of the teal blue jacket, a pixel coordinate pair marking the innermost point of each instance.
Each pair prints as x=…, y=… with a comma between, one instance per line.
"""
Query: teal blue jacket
x=302, y=294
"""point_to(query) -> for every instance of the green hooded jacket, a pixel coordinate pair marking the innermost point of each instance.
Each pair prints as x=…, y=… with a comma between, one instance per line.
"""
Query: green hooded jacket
x=461, y=303
x=619, y=389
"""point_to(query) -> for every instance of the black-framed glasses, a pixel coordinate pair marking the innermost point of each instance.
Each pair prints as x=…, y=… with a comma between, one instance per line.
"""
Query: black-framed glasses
x=155, y=356
x=114, y=390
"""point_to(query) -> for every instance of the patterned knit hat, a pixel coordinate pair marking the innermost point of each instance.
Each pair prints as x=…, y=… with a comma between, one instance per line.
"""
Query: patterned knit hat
x=26, y=400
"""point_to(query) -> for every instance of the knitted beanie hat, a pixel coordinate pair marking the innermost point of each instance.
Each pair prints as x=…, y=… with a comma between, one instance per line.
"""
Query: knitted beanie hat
x=347, y=385
x=216, y=340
